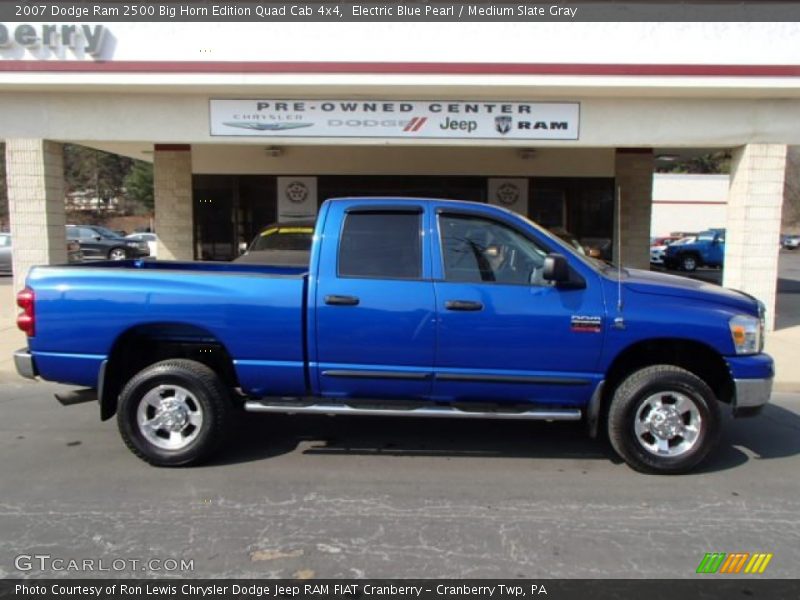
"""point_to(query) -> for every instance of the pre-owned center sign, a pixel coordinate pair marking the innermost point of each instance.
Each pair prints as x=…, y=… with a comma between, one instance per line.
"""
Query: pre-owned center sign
x=396, y=119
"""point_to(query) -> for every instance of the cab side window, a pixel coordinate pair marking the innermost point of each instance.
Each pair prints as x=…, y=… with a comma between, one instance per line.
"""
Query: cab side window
x=381, y=245
x=475, y=249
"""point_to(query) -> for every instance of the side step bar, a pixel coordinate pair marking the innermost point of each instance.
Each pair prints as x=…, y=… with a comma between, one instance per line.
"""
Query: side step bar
x=76, y=396
x=561, y=414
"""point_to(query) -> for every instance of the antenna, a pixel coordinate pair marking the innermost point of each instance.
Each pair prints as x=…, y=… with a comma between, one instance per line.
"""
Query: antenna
x=619, y=322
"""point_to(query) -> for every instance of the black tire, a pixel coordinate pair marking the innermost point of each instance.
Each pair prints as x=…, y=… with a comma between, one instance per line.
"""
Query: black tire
x=689, y=262
x=207, y=396
x=633, y=398
x=117, y=253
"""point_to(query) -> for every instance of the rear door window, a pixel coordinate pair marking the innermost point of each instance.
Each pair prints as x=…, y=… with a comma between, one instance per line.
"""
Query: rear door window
x=381, y=245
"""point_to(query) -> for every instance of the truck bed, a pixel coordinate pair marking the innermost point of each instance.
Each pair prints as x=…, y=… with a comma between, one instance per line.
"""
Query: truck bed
x=256, y=312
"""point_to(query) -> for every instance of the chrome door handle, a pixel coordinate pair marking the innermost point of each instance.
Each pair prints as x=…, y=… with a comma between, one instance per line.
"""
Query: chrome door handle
x=464, y=305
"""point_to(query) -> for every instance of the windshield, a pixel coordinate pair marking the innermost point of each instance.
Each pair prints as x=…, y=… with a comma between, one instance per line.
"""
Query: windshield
x=283, y=238
x=594, y=263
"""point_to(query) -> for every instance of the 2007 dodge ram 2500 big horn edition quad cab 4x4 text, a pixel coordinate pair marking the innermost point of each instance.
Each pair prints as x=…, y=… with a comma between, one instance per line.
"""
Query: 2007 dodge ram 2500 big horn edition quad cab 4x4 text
x=423, y=308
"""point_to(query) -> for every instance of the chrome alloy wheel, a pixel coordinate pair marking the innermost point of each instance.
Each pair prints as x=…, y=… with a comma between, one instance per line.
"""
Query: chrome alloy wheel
x=169, y=417
x=668, y=424
x=117, y=254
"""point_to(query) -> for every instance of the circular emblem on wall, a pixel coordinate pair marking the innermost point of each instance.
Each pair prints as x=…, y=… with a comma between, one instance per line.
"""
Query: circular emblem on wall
x=507, y=194
x=297, y=192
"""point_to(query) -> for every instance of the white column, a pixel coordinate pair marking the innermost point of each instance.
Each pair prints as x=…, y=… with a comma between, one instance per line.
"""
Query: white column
x=753, y=227
x=634, y=177
x=172, y=187
x=35, y=179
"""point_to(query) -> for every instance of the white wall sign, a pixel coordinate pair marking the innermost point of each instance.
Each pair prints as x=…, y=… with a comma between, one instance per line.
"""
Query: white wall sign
x=396, y=119
x=509, y=193
x=297, y=198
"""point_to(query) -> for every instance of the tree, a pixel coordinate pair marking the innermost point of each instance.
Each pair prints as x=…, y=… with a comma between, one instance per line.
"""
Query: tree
x=713, y=162
x=99, y=174
x=139, y=183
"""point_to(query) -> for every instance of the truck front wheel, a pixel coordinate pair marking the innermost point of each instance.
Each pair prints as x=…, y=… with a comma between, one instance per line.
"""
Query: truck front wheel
x=174, y=413
x=663, y=419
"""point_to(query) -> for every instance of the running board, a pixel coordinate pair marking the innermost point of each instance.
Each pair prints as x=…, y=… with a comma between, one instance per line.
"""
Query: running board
x=562, y=414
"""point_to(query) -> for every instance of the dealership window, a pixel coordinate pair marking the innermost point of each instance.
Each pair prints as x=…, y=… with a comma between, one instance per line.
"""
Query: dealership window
x=229, y=210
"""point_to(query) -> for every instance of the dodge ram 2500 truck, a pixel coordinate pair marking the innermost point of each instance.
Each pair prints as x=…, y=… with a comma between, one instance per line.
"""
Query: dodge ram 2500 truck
x=408, y=307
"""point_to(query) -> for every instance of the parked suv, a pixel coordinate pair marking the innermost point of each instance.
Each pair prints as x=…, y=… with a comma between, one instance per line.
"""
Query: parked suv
x=708, y=250
x=100, y=243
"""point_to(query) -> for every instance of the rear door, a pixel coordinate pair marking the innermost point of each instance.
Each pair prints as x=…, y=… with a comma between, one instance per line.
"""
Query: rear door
x=504, y=333
x=375, y=308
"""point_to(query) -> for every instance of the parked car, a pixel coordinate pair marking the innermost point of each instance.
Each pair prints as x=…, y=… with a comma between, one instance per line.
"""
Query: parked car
x=658, y=247
x=150, y=238
x=100, y=243
x=407, y=307
x=791, y=242
x=74, y=254
x=5, y=252
x=707, y=250
x=287, y=244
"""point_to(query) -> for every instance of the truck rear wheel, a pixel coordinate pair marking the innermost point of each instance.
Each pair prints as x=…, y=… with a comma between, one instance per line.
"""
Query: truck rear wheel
x=663, y=419
x=174, y=413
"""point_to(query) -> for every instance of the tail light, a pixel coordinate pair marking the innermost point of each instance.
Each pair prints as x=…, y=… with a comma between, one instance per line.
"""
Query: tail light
x=26, y=320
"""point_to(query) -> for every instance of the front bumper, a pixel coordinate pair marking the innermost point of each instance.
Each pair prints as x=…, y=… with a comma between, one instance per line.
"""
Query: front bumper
x=23, y=361
x=751, y=396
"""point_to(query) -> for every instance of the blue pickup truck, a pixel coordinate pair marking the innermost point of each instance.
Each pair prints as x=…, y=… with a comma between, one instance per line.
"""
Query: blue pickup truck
x=408, y=307
x=708, y=250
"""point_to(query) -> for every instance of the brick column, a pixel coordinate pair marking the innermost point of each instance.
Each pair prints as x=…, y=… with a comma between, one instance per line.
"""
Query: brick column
x=172, y=183
x=753, y=227
x=35, y=179
x=634, y=176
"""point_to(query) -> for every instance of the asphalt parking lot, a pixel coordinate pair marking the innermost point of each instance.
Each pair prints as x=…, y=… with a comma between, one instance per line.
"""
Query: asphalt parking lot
x=381, y=498
x=367, y=497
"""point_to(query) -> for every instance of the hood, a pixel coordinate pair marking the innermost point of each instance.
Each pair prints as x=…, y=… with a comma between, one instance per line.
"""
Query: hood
x=661, y=284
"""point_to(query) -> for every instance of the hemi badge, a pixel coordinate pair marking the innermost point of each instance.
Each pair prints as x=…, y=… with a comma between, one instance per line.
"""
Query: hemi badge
x=584, y=324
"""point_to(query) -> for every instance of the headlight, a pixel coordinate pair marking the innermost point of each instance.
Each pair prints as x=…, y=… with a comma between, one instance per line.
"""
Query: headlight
x=747, y=333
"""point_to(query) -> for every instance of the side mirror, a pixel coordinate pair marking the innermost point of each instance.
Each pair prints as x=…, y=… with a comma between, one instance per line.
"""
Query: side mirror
x=242, y=247
x=556, y=268
x=97, y=238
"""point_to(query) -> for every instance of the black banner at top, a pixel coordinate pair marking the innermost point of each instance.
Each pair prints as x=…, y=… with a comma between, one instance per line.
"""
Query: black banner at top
x=397, y=11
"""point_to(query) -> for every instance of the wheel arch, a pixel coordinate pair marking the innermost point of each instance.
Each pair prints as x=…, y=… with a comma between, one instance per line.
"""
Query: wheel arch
x=146, y=344
x=694, y=356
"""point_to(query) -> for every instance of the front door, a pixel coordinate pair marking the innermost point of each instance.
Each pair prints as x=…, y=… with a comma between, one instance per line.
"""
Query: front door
x=504, y=333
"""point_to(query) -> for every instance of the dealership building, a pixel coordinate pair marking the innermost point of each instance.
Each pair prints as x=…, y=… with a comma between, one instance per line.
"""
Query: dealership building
x=251, y=123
